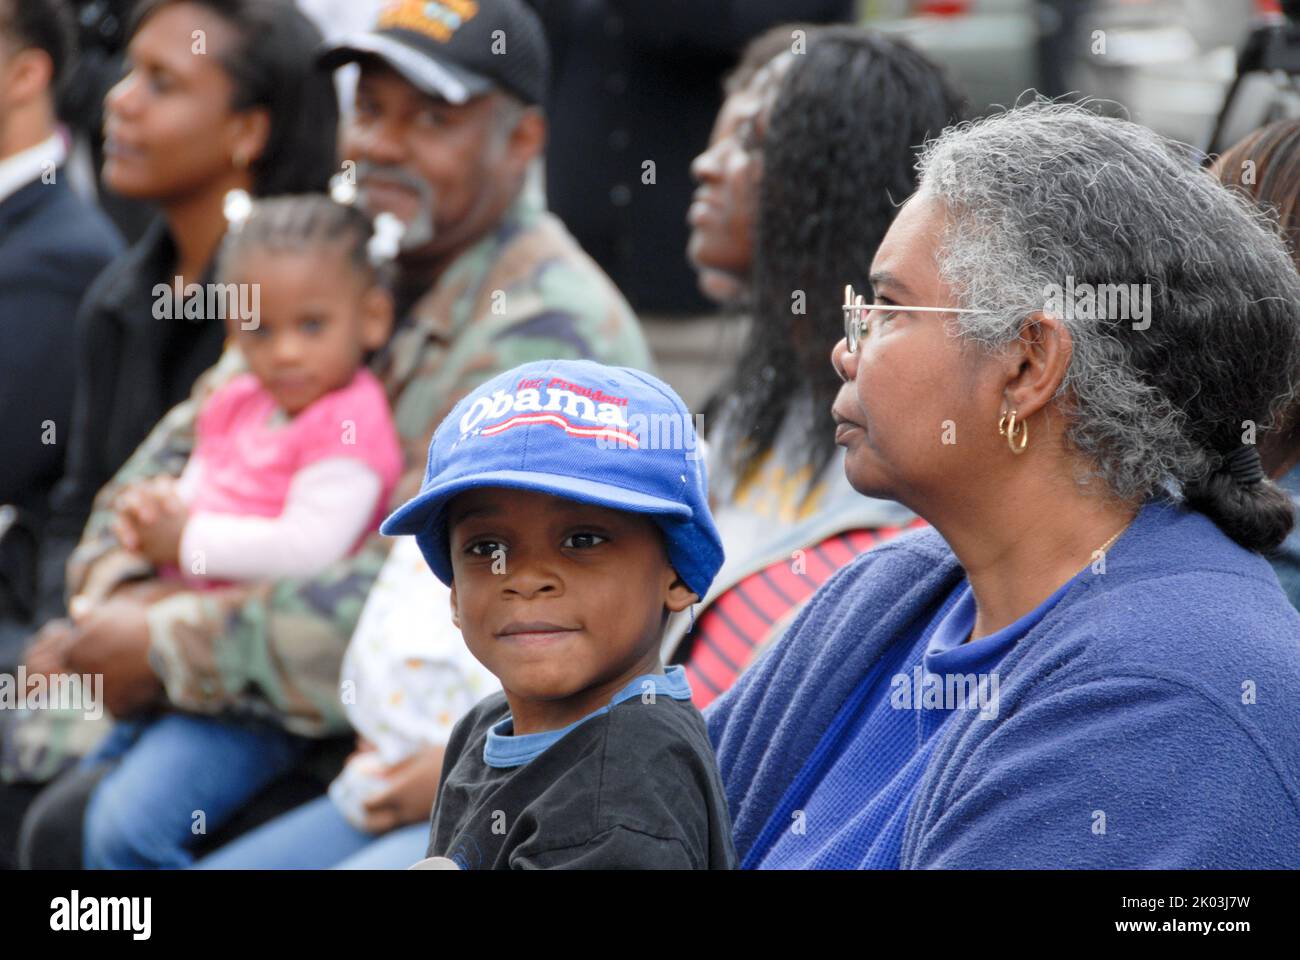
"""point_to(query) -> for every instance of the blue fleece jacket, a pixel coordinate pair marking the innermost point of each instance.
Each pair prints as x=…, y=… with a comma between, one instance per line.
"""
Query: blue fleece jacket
x=1150, y=719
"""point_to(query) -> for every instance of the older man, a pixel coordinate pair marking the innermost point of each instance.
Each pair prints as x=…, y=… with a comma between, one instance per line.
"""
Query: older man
x=447, y=123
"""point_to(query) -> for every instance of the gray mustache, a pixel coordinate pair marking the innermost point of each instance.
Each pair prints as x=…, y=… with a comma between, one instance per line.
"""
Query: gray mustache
x=399, y=175
x=421, y=228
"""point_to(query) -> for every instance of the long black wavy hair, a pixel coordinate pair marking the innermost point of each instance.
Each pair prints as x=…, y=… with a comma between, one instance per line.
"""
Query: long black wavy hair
x=838, y=158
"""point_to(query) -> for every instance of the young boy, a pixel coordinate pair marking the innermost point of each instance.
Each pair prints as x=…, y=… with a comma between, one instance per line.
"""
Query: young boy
x=565, y=504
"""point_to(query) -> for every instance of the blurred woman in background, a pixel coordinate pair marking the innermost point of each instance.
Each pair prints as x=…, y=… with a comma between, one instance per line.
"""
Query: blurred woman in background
x=219, y=95
x=1266, y=165
x=811, y=157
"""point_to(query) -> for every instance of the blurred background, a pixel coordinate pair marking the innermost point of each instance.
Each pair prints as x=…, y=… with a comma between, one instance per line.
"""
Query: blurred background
x=1169, y=62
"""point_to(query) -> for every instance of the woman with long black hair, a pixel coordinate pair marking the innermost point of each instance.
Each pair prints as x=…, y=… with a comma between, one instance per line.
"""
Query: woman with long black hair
x=820, y=150
x=1265, y=166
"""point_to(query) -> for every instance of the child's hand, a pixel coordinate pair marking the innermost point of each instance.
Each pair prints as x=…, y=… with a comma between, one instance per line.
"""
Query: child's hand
x=150, y=520
x=363, y=746
x=138, y=505
x=409, y=798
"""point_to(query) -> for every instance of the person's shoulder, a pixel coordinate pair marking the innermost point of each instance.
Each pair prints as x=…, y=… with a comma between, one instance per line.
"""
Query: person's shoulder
x=228, y=398
x=55, y=212
x=655, y=716
x=1215, y=626
x=353, y=422
x=550, y=289
x=569, y=276
x=627, y=741
x=86, y=230
x=364, y=387
x=473, y=726
x=1175, y=628
x=1183, y=593
x=885, y=570
x=228, y=402
x=657, y=738
x=230, y=366
x=659, y=773
x=61, y=237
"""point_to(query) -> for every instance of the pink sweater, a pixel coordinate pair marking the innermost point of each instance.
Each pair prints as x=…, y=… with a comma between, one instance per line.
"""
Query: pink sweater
x=271, y=497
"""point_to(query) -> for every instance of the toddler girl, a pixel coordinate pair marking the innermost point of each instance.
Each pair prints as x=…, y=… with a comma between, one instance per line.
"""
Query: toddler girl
x=293, y=464
x=294, y=460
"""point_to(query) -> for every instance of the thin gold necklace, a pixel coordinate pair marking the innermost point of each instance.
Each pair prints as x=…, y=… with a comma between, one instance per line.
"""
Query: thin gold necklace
x=1102, y=549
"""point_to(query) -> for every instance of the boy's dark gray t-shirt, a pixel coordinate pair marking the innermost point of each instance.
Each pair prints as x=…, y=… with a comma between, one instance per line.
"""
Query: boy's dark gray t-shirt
x=634, y=787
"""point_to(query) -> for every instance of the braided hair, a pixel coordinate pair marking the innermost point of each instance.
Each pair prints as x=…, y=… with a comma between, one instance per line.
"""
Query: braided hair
x=304, y=222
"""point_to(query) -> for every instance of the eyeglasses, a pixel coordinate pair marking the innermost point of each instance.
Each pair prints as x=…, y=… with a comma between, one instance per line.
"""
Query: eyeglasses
x=856, y=310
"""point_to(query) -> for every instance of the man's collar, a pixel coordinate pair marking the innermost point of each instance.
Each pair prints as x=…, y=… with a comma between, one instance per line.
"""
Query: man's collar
x=30, y=164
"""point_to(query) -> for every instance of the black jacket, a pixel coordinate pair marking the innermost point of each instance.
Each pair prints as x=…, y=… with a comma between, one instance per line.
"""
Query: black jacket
x=52, y=246
x=132, y=367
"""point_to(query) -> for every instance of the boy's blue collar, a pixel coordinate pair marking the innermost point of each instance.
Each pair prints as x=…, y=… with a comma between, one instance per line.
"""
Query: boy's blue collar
x=503, y=749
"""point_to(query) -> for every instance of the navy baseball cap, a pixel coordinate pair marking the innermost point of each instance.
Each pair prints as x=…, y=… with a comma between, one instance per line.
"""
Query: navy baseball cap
x=455, y=50
x=610, y=436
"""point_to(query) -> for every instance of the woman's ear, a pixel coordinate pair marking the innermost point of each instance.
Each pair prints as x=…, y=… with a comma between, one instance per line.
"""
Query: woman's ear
x=455, y=610
x=249, y=136
x=376, y=317
x=1037, y=362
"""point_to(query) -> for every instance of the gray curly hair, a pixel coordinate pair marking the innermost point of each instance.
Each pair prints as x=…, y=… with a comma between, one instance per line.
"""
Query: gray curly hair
x=1051, y=193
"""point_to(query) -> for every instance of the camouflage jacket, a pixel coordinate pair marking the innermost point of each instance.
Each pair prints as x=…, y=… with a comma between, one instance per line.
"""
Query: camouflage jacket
x=274, y=649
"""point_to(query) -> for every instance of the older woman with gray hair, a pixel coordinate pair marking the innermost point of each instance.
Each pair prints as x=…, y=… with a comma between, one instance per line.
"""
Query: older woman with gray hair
x=1074, y=335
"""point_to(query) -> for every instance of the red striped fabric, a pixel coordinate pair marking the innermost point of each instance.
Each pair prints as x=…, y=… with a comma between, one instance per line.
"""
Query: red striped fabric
x=736, y=624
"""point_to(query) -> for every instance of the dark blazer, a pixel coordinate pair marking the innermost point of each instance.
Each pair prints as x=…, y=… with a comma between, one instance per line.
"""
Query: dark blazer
x=52, y=246
x=132, y=367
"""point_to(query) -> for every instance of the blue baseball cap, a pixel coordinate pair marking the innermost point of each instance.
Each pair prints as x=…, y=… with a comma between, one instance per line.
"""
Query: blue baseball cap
x=610, y=436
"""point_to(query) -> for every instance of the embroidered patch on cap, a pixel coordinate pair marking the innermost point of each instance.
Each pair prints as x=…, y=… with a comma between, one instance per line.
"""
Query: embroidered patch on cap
x=439, y=19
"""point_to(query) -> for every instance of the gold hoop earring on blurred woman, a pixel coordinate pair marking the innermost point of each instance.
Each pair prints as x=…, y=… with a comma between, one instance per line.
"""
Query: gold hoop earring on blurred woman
x=1008, y=430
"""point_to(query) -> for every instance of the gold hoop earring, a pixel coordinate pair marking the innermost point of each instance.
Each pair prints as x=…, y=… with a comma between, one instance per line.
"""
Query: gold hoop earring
x=1007, y=428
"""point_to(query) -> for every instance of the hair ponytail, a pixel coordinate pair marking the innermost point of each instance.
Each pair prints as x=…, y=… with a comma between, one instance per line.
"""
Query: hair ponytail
x=1246, y=505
